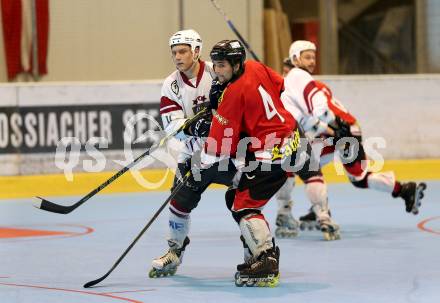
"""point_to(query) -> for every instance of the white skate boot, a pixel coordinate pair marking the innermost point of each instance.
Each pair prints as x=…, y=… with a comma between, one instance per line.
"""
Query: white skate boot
x=329, y=229
x=327, y=226
x=287, y=226
x=168, y=263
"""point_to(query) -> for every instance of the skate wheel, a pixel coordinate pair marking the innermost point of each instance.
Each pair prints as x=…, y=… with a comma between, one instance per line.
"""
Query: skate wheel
x=289, y=234
x=237, y=276
x=262, y=284
x=274, y=282
x=238, y=281
x=250, y=283
x=152, y=273
x=331, y=236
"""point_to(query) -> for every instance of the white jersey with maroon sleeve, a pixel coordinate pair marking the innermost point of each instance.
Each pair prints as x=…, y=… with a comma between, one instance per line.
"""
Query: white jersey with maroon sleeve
x=182, y=98
x=307, y=101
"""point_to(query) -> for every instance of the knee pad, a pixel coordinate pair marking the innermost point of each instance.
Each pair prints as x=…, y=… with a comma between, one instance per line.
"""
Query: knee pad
x=186, y=198
x=307, y=175
x=238, y=215
x=316, y=191
x=384, y=181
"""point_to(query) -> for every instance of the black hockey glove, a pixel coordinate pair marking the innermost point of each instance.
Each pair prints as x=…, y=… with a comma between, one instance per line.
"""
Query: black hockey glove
x=199, y=128
x=342, y=129
x=215, y=93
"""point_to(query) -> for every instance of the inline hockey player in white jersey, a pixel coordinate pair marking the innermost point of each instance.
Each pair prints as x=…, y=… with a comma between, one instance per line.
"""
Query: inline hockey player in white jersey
x=184, y=93
x=322, y=116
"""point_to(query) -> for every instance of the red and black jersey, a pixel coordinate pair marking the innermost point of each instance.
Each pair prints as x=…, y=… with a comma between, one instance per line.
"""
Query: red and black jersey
x=251, y=105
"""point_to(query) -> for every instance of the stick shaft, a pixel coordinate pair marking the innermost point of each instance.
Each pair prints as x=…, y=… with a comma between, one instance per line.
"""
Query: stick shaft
x=156, y=214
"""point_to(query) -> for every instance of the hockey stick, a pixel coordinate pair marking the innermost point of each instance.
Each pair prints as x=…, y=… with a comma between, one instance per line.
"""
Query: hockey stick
x=173, y=194
x=234, y=29
x=61, y=209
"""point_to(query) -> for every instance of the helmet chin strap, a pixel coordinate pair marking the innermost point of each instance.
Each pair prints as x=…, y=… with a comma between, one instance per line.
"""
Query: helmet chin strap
x=195, y=59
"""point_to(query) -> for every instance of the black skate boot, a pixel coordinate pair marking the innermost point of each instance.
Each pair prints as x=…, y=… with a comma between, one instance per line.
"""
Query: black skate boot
x=413, y=194
x=249, y=257
x=261, y=271
x=168, y=263
x=308, y=221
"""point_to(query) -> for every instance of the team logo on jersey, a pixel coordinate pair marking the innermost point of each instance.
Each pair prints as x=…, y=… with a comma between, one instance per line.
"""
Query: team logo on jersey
x=199, y=99
x=288, y=148
x=220, y=119
x=199, y=103
x=175, y=87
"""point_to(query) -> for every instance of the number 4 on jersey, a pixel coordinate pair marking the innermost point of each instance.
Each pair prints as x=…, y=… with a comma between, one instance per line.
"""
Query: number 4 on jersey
x=271, y=111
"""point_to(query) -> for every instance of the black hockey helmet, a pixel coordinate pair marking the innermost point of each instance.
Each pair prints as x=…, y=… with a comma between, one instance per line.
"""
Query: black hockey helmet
x=230, y=50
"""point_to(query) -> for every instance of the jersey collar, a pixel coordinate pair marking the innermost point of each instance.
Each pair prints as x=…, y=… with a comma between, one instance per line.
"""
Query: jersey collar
x=199, y=75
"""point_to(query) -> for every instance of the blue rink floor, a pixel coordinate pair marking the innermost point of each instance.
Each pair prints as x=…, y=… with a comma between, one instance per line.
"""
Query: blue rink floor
x=385, y=254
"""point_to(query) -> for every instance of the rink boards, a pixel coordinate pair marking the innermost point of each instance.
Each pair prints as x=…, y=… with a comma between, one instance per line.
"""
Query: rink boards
x=398, y=115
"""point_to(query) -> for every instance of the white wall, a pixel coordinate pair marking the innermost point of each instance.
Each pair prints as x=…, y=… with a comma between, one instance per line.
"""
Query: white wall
x=403, y=109
x=128, y=39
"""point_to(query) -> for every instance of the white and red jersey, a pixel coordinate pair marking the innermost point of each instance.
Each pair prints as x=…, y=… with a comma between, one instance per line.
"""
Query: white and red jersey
x=180, y=100
x=311, y=102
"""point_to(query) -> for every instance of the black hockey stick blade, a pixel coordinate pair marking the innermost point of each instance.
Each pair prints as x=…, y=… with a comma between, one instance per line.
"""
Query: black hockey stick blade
x=94, y=282
x=46, y=205
x=156, y=214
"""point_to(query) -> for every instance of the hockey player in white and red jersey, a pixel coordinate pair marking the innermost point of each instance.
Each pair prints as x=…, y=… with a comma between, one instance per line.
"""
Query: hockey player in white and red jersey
x=322, y=116
x=184, y=93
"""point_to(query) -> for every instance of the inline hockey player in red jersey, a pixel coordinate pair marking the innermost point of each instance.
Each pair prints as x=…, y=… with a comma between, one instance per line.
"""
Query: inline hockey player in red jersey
x=322, y=116
x=252, y=126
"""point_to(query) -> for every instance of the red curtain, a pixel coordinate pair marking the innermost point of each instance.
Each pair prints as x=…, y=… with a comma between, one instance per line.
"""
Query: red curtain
x=12, y=26
x=12, y=19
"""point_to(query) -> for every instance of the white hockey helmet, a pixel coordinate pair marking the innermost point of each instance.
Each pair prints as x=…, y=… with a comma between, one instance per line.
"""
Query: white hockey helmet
x=189, y=37
x=299, y=46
